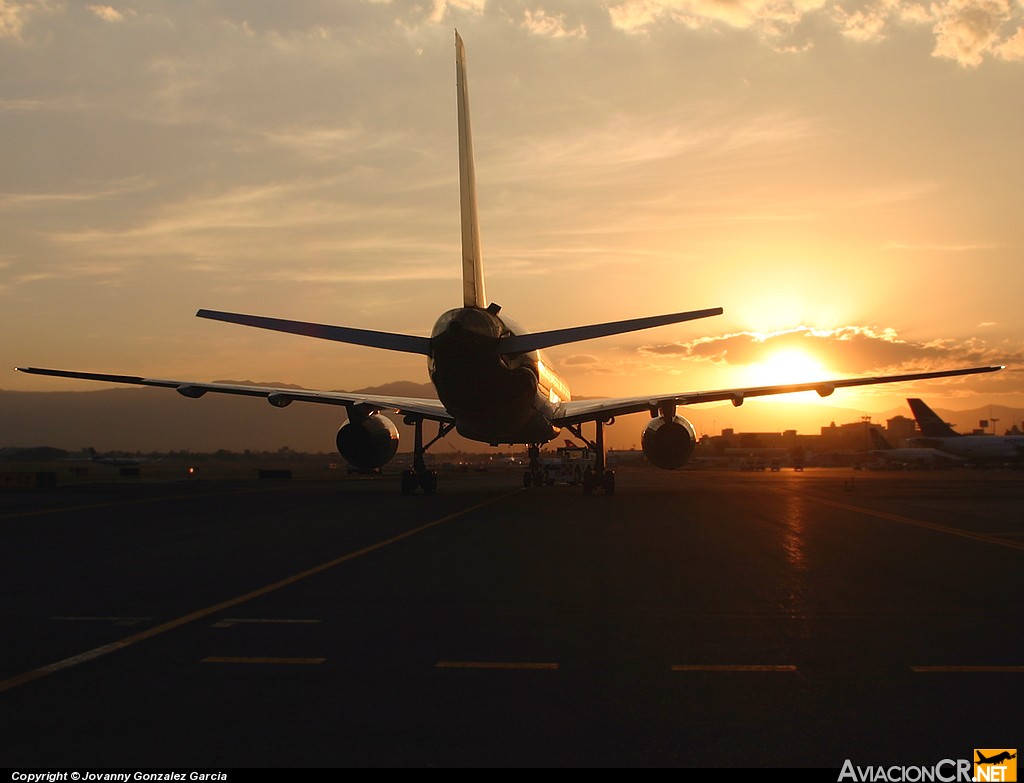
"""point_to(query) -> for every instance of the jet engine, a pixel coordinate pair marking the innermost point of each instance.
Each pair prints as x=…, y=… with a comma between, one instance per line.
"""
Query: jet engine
x=368, y=443
x=668, y=444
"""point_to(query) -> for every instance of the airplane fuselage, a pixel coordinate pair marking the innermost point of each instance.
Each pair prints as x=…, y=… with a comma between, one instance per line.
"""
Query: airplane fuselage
x=977, y=447
x=494, y=398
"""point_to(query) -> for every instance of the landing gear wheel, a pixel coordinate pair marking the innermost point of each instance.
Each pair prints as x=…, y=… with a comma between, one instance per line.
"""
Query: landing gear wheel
x=428, y=480
x=409, y=482
x=589, y=482
x=608, y=482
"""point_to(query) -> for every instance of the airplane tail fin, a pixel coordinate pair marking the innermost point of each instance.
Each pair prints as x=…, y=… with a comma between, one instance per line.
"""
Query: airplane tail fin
x=473, y=294
x=929, y=422
x=877, y=439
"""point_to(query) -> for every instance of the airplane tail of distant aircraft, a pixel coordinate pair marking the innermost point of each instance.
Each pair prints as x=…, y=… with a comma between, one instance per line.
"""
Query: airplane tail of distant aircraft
x=877, y=440
x=929, y=422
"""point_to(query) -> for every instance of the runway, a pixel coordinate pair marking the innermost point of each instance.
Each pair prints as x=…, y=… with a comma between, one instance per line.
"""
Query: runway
x=696, y=619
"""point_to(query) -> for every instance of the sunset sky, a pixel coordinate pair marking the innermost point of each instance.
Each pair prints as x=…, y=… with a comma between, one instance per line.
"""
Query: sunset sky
x=845, y=179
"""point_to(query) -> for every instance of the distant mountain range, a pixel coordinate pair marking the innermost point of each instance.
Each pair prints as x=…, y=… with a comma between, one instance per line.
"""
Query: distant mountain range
x=145, y=420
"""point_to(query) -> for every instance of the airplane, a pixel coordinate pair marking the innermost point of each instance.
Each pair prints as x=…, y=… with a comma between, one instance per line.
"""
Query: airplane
x=936, y=434
x=493, y=383
x=107, y=459
x=914, y=456
x=996, y=759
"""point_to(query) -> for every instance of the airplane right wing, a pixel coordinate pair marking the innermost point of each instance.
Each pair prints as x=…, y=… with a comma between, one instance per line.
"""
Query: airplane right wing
x=579, y=411
x=278, y=397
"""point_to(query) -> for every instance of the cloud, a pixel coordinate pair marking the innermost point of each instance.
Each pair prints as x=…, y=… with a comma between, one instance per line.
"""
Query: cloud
x=106, y=13
x=14, y=15
x=580, y=360
x=867, y=23
x=11, y=19
x=966, y=247
x=847, y=350
x=968, y=29
x=1013, y=47
x=540, y=22
x=771, y=18
x=282, y=220
x=442, y=8
x=965, y=30
x=23, y=201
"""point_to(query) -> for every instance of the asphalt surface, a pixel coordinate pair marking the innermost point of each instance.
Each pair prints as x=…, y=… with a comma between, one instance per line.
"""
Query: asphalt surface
x=696, y=619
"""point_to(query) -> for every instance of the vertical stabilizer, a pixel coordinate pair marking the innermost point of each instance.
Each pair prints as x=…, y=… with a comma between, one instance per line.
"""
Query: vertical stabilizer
x=928, y=421
x=472, y=260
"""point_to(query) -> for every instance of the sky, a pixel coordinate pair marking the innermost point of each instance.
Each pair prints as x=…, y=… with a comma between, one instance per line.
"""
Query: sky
x=842, y=178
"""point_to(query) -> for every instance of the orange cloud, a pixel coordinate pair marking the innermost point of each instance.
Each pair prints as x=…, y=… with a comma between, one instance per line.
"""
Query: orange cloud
x=847, y=349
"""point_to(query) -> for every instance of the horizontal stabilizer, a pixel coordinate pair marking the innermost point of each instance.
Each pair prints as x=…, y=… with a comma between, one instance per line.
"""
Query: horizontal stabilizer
x=341, y=334
x=521, y=343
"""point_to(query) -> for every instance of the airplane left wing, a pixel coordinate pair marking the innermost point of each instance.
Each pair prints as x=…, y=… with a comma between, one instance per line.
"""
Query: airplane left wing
x=579, y=411
x=278, y=397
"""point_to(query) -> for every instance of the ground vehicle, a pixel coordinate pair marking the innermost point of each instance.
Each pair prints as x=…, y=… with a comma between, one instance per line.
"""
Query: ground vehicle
x=569, y=464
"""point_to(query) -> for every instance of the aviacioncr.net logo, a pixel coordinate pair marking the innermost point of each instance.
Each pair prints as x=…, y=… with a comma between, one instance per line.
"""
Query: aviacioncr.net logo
x=945, y=771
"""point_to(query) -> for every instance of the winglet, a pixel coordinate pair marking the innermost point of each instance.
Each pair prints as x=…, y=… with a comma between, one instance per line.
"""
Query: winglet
x=472, y=259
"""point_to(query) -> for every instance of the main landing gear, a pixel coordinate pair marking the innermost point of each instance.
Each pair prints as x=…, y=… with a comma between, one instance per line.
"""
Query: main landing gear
x=534, y=475
x=419, y=477
x=596, y=477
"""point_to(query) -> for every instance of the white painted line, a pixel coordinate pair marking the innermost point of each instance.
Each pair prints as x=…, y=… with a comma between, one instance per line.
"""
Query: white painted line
x=284, y=661
x=227, y=622
x=115, y=620
x=733, y=667
x=967, y=669
x=495, y=665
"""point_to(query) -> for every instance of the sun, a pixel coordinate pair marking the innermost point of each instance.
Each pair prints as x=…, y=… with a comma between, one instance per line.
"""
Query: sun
x=788, y=365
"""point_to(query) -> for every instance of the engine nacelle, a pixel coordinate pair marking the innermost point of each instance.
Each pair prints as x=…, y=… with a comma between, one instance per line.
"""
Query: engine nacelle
x=668, y=444
x=369, y=443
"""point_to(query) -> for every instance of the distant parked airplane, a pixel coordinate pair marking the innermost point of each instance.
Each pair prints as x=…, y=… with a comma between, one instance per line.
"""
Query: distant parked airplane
x=936, y=434
x=915, y=456
x=492, y=382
